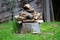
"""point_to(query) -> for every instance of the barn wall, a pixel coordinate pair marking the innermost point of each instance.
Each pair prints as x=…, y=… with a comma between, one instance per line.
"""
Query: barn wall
x=39, y=5
x=48, y=11
x=5, y=14
x=36, y=4
x=56, y=6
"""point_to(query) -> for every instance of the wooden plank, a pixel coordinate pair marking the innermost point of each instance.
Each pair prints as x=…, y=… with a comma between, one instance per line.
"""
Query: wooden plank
x=48, y=11
x=44, y=10
x=52, y=13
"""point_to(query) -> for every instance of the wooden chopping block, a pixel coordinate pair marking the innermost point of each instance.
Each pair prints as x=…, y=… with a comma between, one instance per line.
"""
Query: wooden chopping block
x=31, y=27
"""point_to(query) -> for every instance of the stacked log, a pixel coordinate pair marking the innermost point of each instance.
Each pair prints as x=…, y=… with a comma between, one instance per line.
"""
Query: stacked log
x=29, y=14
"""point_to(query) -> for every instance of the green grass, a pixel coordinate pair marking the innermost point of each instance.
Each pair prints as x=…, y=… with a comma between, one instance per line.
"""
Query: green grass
x=50, y=31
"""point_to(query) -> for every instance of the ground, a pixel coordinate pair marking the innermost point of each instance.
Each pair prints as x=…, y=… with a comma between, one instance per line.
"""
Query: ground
x=50, y=31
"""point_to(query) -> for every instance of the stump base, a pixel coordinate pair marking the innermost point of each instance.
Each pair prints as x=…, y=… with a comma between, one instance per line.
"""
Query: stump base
x=30, y=27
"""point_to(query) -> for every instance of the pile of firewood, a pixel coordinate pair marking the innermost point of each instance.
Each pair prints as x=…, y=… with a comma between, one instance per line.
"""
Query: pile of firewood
x=28, y=14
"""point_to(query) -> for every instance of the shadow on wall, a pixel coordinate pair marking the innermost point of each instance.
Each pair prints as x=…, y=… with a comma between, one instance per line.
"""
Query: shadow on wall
x=56, y=6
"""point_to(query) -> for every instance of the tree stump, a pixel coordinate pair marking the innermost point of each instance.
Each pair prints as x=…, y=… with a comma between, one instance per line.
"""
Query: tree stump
x=30, y=27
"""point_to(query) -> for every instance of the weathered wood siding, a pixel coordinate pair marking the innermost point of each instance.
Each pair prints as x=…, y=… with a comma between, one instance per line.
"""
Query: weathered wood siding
x=36, y=4
x=5, y=14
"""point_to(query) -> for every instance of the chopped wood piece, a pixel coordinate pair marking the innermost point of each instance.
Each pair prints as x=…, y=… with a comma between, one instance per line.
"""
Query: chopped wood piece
x=28, y=20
